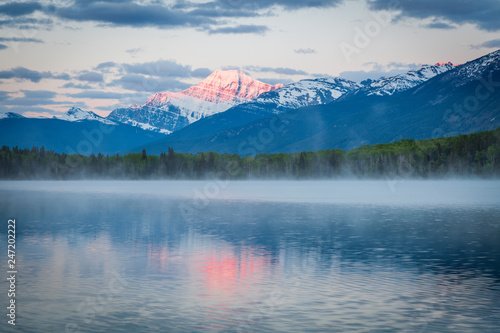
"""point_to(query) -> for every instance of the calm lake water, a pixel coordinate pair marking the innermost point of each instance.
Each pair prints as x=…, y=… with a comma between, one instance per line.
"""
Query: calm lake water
x=262, y=256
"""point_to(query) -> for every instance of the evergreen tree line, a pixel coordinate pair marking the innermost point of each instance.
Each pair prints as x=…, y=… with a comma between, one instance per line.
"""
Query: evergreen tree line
x=476, y=154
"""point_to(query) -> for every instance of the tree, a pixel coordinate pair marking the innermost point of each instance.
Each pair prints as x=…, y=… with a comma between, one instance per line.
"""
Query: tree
x=144, y=156
x=201, y=165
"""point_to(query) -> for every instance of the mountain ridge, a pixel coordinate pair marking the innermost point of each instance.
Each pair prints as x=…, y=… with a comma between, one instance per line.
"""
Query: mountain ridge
x=425, y=111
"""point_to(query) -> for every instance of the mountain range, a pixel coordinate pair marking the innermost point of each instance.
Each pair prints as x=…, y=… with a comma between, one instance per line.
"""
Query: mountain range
x=229, y=112
x=167, y=112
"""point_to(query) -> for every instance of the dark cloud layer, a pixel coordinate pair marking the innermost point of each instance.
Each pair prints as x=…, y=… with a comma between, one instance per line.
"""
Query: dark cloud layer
x=208, y=16
x=20, y=8
x=22, y=73
x=491, y=44
x=127, y=13
x=484, y=14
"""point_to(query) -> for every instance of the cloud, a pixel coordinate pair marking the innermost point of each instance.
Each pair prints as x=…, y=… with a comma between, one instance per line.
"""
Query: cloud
x=63, y=76
x=128, y=13
x=77, y=86
x=95, y=94
x=38, y=94
x=134, y=51
x=18, y=39
x=160, y=68
x=4, y=95
x=361, y=75
x=91, y=77
x=482, y=13
x=378, y=71
x=240, y=29
x=391, y=66
x=277, y=70
x=142, y=83
x=3, y=47
x=33, y=98
x=105, y=65
x=275, y=81
x=30, y=110
x=254, y=5
x=222, y=12
x=305, y=51
x=206, y=16
x=201, y=73
x=22, y=73
x=402, y=65
x=28, y=23
x=490, y=44
x=20, y=8
x=440, y=25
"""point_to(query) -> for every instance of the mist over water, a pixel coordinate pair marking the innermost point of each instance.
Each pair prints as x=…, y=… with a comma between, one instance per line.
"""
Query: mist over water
x=247, y=256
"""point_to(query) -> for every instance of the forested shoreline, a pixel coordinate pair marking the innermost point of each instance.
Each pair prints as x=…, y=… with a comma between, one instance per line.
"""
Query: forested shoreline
x=473, y=155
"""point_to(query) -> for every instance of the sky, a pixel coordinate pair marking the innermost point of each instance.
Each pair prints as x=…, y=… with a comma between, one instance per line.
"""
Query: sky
x=104, y=54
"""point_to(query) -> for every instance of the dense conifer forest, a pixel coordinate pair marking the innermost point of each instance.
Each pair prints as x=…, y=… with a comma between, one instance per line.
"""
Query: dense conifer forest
x=476, y=154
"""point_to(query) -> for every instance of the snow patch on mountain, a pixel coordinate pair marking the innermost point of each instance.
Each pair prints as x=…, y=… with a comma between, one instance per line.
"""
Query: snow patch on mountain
x=77, y=114
x=308, y=92
x=475, y=69
x=398, y=83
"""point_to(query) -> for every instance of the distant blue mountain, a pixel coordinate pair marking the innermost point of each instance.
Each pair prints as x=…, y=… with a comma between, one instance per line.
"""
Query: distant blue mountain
x=84, y=137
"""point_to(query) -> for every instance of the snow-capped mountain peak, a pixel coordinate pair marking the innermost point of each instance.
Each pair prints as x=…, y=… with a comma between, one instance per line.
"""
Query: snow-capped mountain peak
x=226, y=87
x=401, y=82
x=10, y=115
x=230, y=85
x=77, y=114
x=308, y=92
x=168, y=111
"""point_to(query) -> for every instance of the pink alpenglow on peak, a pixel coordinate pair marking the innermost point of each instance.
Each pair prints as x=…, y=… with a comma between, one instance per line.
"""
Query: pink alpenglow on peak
x=443, y=63
x=225, y=87
x=449, y=63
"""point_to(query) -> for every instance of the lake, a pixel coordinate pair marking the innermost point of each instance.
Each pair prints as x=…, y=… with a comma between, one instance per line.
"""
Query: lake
x=253, y=256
